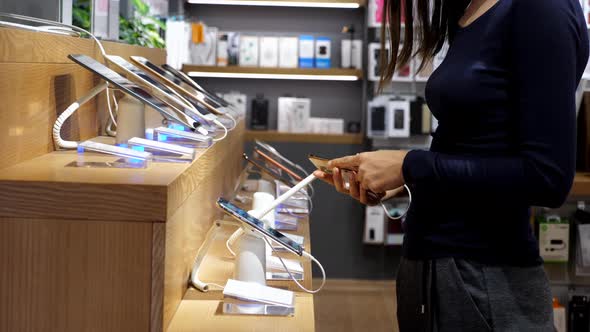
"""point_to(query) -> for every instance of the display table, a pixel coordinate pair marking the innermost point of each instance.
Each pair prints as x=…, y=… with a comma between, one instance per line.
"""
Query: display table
x=203, y=312
x=97, y=249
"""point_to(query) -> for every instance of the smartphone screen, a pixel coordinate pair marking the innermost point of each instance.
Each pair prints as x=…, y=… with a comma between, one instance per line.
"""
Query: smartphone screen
x=275, y=163
x=243, y=216
x=269, y=171
x=171, y=79
x=187, y=80
x=131, y=88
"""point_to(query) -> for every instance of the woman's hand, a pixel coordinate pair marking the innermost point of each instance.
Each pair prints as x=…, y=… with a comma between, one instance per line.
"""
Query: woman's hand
x=355, y=190
x=375, y=172
x=378, y=171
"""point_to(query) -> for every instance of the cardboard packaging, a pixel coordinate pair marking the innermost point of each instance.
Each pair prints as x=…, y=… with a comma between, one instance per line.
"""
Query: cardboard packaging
x=293, y=114
x=352, y=54
x=306, y=51
x=323, y=52
x=269, y=52
x=249, y=51
x=554, y=234
x=288, y=52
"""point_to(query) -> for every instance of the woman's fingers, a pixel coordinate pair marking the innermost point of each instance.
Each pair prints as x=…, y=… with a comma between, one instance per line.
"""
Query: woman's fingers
x=348, y=162
x=353, y=187
x=338, y=183
x=363, y=195
x=324, y=177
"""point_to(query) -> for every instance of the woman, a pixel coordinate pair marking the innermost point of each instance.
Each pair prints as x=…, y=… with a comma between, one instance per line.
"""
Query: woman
x=504, y=98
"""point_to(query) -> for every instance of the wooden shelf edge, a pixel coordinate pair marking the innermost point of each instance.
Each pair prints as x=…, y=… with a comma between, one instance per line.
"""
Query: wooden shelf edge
x=581, y=185
x=274, y=136
x=237, y=70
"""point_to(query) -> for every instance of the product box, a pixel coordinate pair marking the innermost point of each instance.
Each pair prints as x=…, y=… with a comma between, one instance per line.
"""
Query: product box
x=554, y=233
x=222, y=49
x=374, y=225
x=203, y=47
x=377, y=117
x=269, y=52
x=323, y=52
x=293, y=114
x=399, y=118
x=306, y=51
x=326, y=126
x=351, y=54
x=237, y=100
x=374, y=70
x=288, y=52
x=233, y=48
x=249, y=51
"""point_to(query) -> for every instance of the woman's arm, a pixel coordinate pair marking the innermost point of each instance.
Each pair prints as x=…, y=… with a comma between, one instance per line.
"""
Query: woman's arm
x=548, y=53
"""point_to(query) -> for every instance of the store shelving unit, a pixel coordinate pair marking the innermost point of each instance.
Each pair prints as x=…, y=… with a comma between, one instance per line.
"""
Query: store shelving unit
x=332, y=74
x=226, y=75
x=275, y=136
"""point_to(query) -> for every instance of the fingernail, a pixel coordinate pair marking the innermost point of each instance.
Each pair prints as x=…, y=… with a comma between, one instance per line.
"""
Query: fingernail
x=335, y=170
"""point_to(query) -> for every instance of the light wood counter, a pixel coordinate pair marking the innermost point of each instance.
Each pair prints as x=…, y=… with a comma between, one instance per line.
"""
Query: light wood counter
x=105, y=249
x=202, y=311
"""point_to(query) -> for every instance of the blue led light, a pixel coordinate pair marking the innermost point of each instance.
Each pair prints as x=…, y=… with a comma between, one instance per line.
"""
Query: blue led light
x=135, y=161
x=80, y=149
x=123, y=145
x=138, y=148
x=162, y=137
x=176, y=126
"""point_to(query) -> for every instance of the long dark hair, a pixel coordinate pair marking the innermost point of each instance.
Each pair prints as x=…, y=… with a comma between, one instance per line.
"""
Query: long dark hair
x=430, y=33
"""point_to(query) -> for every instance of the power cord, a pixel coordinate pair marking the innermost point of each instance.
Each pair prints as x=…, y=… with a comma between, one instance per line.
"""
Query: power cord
x=306, y=255
x=61, y=28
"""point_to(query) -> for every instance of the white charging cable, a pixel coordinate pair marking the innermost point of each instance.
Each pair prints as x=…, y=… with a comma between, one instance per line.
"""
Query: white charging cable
x=76, y=105
x=225, y=130
x=306, y=255
x=60, y=142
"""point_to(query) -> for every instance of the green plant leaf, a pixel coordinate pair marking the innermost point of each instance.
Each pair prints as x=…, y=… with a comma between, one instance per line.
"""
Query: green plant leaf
x=142, y=8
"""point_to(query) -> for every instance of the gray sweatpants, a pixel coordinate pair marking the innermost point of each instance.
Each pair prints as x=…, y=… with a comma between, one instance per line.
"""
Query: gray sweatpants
x=453, y=295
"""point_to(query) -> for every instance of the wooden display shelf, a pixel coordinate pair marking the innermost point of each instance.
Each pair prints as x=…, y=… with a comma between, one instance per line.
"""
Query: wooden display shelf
x=343, y=4
x=581, y=185
x=202, y=312
x=332, y=74
x=115, y=246
x=275, y=136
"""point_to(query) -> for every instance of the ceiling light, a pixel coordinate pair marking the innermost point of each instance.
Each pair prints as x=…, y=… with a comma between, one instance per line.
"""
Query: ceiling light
x=275, y=76
x=311, y=4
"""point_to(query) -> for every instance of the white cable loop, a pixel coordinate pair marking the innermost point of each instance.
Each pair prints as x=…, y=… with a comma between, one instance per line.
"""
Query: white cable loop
x=307, y=255
x=74, y=107
x=225, y=131
x=64, y=116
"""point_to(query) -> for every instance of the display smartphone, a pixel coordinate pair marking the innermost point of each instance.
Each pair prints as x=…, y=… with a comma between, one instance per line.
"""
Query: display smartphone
x=189, y=81
x=273, y=153
x=269, y=171
x=170, y=97
x=259, y=226
x=174, y=83
x=322, y=164
x=277, y=164
x=134, y=90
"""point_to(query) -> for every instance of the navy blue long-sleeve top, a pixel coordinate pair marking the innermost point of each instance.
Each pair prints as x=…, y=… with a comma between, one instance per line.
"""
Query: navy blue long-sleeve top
x=505, y=100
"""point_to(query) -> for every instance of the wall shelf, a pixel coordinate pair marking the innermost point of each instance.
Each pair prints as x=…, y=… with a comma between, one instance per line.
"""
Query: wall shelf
x=275, y=136
x=339, y=4
x=333, y=74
